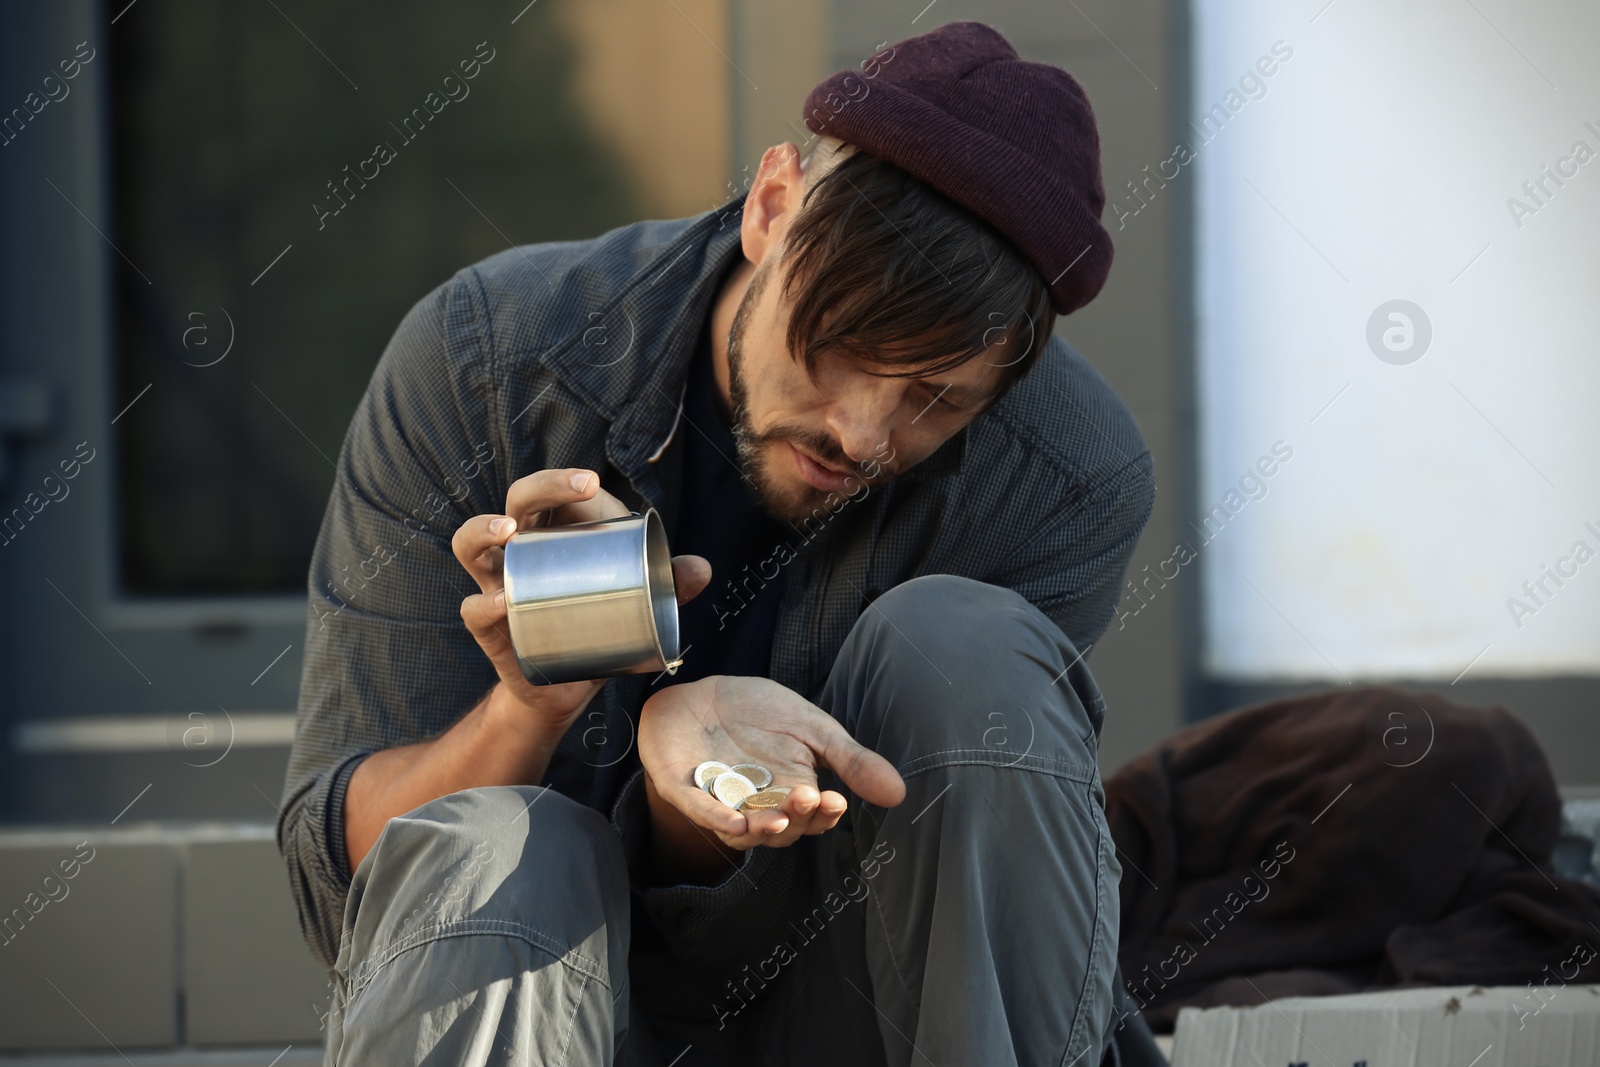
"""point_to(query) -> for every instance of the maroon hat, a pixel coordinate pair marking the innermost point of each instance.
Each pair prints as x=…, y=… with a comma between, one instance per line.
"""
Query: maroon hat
x=1012, y=141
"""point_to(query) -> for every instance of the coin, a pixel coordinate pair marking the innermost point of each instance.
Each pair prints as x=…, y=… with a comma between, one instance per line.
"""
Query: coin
x=759, y=776
x=732, y=788
x=707, y=771
x=764, y=800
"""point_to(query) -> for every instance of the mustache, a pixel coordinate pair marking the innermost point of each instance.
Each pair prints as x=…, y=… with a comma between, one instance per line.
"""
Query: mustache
x=822, y=447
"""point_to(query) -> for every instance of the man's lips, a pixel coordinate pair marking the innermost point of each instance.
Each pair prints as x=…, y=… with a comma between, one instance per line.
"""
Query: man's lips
x=819, y=475
x=813, y=458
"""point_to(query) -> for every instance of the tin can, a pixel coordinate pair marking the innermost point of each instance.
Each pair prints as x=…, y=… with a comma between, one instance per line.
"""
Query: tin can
x=592, y=600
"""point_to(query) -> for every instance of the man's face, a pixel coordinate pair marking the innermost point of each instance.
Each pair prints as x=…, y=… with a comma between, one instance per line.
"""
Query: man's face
x=864, y=426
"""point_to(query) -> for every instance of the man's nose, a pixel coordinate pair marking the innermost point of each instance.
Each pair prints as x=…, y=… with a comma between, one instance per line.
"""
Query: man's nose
x=864, y=420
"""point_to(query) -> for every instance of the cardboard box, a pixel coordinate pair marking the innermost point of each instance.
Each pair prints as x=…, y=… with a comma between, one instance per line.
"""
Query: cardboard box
x=1552, y=1025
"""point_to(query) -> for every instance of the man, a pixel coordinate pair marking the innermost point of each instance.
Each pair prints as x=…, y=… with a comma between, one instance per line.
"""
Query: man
x=903, y=511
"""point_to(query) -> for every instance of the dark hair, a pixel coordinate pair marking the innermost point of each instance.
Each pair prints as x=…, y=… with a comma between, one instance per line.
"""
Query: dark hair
x=886, y=268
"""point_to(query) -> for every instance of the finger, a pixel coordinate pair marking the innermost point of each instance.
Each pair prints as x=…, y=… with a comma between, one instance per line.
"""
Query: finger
x=806, y=806
x=709, y=813
x=771, y=829
x=797, y=817
x=602, y=505
x=547, y=489
x=816, y=813
x=869, y=775
x=830, y=809
x=691, y=575
x=793, y=830
x=479, y=544
x=802, y=801
x=485, y=617
x=769, y=823
x=763, y=827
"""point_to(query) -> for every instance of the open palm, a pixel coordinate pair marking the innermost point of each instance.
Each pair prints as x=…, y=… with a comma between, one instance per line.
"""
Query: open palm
x=756, y=720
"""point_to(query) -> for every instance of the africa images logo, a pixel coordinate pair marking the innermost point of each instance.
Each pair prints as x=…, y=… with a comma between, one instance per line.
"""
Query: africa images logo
x=1399, y=332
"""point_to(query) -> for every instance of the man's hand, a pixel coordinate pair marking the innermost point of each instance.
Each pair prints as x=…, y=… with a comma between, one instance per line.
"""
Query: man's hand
x=546, y=498
x=756, y=720
x=509, y=737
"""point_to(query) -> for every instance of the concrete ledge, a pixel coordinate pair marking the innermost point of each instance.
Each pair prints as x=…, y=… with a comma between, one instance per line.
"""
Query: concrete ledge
x=293, y=1056
x=153, y=936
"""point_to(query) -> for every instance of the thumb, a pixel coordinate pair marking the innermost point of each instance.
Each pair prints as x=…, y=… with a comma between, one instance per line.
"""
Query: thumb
x=691, y=575
x=869, y=775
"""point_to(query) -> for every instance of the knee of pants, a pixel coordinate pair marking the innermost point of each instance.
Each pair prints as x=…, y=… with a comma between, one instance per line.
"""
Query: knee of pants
x=522, y=861
x=943, y=668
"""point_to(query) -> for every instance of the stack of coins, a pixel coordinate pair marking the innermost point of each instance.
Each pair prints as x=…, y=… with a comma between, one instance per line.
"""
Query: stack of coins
x=743, y=786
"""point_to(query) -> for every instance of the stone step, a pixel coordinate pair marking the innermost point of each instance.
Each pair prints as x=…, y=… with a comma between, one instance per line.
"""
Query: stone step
x=265, y=1056
x=156, y=935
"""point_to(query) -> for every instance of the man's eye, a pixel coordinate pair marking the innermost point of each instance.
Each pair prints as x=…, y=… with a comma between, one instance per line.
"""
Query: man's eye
x=938, y=396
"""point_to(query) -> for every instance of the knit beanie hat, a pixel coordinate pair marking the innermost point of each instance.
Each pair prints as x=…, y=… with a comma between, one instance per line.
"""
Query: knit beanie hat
x=1012, y=141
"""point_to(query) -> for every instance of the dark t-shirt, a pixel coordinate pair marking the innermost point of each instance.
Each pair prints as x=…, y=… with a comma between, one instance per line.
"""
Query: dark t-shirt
x=722, y=631
x=728, y=628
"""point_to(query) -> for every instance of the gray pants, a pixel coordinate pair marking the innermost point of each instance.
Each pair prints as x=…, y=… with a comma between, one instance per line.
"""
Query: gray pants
x=975, y=923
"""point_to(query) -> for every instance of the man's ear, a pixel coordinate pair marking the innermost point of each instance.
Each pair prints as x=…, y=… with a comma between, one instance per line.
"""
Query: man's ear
x=773, y=198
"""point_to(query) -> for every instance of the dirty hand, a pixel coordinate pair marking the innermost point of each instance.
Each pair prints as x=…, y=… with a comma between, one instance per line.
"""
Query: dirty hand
x=756, y=720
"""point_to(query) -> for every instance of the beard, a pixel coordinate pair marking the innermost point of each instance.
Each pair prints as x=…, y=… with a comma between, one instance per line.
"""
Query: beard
x=788, y=499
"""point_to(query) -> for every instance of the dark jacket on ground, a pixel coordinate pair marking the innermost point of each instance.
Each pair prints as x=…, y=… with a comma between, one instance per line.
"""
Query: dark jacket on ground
x=1346, y=840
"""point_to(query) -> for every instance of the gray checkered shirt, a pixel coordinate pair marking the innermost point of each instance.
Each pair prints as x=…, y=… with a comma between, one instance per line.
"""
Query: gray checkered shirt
x=575, y=354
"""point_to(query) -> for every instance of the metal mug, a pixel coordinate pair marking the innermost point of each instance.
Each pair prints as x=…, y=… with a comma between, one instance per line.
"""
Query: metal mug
x=592, y=600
